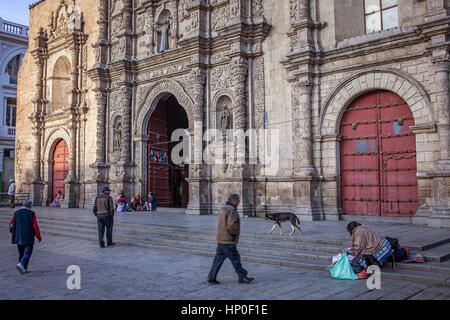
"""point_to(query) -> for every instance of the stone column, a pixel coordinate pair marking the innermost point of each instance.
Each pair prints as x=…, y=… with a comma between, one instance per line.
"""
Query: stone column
x=101, y=99
x=246, y=188
x=37, y=186
x=126, y=124
x=442, y=66
x=305, y=184
x=441, y=210
x=303, y=9
x=305, y=128
x=197, y=193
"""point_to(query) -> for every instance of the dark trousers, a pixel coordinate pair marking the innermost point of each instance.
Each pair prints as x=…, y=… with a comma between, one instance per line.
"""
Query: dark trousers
x=25, y=252
x=226, y=251
x=12, y=202
x=105, y=221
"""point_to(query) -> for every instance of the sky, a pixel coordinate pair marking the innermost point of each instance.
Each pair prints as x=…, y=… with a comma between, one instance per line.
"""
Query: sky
x=16, y=10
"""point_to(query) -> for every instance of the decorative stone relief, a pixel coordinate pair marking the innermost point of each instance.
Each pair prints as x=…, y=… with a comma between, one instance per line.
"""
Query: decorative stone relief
x=220, y=17
x=257, y=8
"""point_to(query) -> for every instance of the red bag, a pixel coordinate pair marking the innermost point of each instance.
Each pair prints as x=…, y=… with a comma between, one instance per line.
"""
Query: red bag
x=363, y=274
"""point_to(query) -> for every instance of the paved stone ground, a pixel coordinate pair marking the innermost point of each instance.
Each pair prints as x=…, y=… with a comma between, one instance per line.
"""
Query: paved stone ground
x=408, y=235
x=125, y=272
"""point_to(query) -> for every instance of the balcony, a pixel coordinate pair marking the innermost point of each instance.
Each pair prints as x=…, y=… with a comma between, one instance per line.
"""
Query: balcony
x=13, y=28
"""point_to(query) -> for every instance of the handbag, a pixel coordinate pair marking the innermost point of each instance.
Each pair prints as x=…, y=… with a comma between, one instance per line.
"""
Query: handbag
x=343, y=269
x=359, y=263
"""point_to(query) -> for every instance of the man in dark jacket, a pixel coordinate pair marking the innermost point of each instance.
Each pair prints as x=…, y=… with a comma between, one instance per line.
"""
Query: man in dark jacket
x=104, y=211
x=228, y=230
x=24, y=228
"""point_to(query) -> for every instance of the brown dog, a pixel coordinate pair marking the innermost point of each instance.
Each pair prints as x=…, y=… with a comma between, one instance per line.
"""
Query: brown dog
x=281, y=217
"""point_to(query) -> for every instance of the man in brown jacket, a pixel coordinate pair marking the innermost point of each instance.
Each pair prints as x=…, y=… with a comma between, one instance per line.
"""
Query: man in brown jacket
x=228, y=229
x=104, y=211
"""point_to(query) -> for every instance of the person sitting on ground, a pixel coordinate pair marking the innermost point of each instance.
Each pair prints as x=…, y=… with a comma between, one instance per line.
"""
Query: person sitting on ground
x=136, y=204
x=150, y=204
x=58, y=199
x=120, y=201
x=370, y=243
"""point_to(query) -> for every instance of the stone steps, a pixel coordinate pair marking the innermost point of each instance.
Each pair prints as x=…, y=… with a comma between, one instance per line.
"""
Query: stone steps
x=266, y=249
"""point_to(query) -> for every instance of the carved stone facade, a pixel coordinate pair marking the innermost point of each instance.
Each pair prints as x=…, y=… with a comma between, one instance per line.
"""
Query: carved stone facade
x=283, y=66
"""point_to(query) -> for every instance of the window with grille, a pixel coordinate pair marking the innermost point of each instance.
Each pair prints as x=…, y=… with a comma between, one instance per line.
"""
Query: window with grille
x=12, y=68
x=10, y=117
x=380, y=15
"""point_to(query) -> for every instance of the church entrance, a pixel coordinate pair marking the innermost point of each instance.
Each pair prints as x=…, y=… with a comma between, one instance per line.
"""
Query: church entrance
x=378, y=157
x=60, y=167
x=165, y=179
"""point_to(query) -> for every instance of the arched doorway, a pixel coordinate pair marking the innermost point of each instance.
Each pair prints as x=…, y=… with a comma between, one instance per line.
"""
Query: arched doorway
x=378, y=157
x=60, y=168
x=164, y=178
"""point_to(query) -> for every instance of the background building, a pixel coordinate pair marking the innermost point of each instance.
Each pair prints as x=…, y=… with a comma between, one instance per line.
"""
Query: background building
x=359, y=90
x=13, y=45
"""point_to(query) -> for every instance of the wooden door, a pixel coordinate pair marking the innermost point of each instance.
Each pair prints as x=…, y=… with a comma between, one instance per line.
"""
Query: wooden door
x=60, y=167
x=378, y=157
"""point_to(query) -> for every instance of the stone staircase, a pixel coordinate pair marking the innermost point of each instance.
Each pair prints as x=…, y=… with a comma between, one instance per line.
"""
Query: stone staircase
x=297, y=252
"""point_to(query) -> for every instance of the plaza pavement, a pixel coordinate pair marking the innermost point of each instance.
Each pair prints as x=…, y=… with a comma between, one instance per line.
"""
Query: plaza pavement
x=128, y=272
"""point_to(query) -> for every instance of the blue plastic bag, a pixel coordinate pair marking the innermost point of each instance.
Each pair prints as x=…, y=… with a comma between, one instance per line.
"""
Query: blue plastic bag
x=343, y=269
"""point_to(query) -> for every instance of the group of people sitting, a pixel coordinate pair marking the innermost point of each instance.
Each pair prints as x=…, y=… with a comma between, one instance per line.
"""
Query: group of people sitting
x=136, y=203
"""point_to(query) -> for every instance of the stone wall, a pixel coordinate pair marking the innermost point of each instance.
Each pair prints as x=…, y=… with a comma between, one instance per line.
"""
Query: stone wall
x=291, y=66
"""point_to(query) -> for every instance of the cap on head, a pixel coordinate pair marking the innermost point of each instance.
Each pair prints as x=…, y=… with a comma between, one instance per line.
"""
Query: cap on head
x=106, y=188
x=11, y=180
x=233, y=197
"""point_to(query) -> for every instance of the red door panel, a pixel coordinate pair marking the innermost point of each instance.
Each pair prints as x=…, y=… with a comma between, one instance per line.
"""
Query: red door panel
x=378, y=157
x=60, y=167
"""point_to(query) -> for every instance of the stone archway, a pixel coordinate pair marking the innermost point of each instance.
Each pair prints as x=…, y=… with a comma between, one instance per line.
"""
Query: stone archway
x=53, y=138
x=375, y=79
x=154, y=95
x=329, y=139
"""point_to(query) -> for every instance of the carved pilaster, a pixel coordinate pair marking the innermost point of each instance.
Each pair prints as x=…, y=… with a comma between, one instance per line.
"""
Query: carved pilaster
x=101, y=99
x=441, y=66
x=303, y=9
x=125, y=106
x=305, y=145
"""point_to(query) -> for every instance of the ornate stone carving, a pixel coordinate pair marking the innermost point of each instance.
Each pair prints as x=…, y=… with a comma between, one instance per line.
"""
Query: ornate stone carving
x=293, y=10
x=149, y=103
x=101, y=100
x=220, y=17
x=257, y=8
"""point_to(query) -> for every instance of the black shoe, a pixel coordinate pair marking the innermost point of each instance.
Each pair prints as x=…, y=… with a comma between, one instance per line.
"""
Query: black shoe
x=113, y=244
x=102, y=246
x=213, y=281
x=246, y=280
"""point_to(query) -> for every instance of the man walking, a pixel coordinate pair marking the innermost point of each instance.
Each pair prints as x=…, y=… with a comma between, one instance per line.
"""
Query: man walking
x=228, y=230
x=11, y=193
x=24, y=228
x=104, y=211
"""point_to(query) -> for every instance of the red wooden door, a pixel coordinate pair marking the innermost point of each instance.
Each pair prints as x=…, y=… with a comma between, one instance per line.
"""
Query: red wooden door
x=60, y=167
x=378, y=157
x=158, y=157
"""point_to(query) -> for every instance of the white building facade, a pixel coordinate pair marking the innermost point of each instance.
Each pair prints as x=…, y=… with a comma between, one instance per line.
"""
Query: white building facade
x=13, y=45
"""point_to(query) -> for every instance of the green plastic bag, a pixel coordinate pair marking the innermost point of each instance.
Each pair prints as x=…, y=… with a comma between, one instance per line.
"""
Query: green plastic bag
x=343, y=269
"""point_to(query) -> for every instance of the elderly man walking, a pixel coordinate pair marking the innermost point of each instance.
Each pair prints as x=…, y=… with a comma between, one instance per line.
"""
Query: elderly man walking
x=24, y=228
x=11, y=193
x=104, y=211
x=228, y=230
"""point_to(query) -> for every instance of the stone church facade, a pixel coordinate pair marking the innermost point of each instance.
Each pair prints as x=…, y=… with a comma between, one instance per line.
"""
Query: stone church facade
x=362, y=114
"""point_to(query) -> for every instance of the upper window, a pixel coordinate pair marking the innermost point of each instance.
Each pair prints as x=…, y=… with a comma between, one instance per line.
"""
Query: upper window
x=12, y=68
x=10, y=119
x=380, y=15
